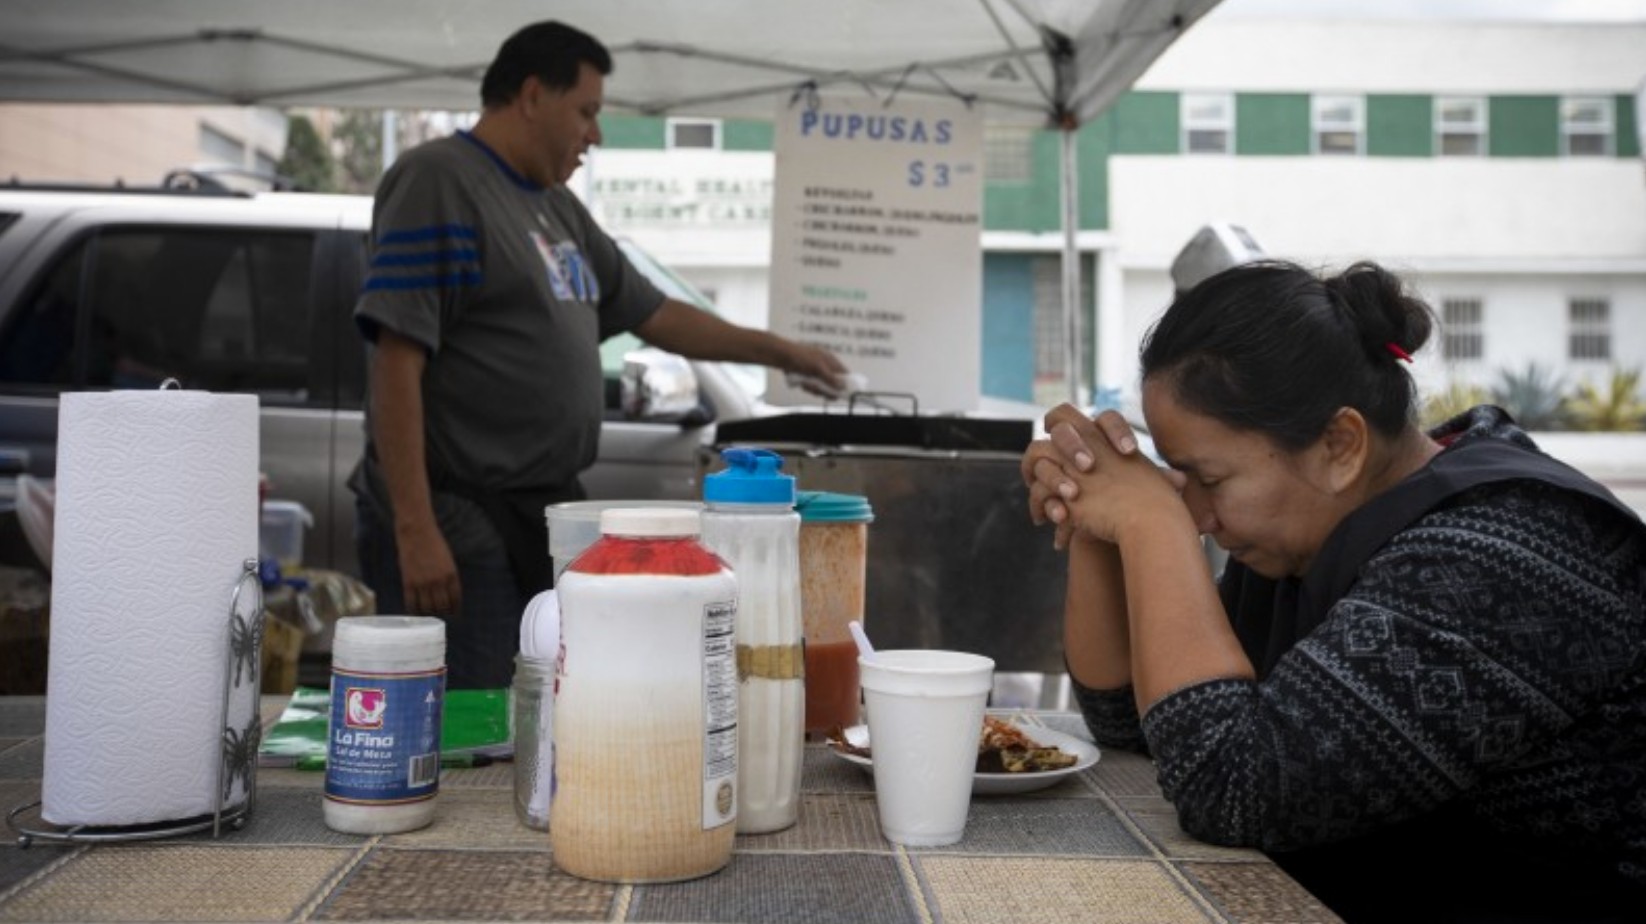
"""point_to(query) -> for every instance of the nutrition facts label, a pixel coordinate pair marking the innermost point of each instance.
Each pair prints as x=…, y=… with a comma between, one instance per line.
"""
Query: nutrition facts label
x=719, y=714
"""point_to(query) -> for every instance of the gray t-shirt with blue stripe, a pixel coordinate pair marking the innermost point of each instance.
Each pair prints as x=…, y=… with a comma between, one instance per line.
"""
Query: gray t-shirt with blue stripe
x=512, y=287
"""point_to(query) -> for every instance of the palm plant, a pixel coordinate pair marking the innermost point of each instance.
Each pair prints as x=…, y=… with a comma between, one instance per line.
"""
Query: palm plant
x=1617, y=407
x=1534, y=396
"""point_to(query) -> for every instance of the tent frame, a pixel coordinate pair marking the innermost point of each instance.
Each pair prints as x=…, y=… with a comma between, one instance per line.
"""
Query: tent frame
x=1092, y=52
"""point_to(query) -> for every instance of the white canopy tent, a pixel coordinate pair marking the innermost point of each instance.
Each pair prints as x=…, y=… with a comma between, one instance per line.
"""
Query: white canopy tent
x=1047, y=63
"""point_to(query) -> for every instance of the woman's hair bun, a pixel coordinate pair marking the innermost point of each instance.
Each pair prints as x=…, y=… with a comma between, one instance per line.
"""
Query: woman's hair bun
x=1381, y=308
x=1275, y=348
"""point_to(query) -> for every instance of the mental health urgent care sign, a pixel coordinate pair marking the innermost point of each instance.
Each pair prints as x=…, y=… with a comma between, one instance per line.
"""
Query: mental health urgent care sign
x=877, y=244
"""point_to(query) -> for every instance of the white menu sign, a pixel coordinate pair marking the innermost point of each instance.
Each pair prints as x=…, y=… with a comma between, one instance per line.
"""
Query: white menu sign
x=877, y=247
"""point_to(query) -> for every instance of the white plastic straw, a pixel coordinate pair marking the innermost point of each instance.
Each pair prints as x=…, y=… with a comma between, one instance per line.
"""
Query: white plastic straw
x=863, y=647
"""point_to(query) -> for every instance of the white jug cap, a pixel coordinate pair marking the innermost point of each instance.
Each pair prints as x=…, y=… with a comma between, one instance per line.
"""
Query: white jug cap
x=650, y=522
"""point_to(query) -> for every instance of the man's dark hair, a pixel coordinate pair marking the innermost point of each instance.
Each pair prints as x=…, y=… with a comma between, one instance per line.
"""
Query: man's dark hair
x=553, y=52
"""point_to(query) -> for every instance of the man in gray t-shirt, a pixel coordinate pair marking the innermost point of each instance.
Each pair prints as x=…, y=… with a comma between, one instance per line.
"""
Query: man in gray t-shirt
x=490, y=290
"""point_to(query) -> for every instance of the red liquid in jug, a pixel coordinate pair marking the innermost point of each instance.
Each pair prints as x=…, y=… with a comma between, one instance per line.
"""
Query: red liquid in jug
x=831, y=686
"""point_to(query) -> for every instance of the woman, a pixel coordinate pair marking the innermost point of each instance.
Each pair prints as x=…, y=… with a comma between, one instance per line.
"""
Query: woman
x=1420, y=683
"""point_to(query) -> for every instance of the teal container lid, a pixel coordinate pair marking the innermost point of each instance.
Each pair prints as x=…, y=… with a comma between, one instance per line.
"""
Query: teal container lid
x=828, y=507
x=751, y=476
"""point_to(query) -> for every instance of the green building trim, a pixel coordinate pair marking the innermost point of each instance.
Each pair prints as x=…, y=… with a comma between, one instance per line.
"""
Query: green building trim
x=1628, y=130
x=1272, y=124
x=1033, y=204
x=1147, y=123
x=746, y=135
x=634, y=133
x=1150, y=123
x=1523, y=126
x=1400, y=125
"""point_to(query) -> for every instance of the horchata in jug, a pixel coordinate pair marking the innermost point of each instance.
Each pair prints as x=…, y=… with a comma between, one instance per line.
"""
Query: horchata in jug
x=646, y=705
x=750, y=521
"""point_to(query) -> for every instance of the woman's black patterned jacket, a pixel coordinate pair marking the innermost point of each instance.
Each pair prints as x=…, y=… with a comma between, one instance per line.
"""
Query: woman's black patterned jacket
x=1456, y=692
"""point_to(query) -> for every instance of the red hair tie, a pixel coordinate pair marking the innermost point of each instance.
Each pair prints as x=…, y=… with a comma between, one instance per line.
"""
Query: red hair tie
x=1395, y=350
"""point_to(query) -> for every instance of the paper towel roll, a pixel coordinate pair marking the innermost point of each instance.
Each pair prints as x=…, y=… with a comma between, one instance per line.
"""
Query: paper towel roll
x=156, y=513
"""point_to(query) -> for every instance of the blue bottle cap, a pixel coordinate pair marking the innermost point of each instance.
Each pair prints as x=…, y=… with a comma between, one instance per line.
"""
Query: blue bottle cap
x=828, y=507
x=751, y=476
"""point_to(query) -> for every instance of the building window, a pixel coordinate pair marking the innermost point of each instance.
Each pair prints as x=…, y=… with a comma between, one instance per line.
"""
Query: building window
x=1460, y=126
x=1339, y=124
x=1008, y=153
x=701, y=134
x=1586, y=126
x=1465, y=337
x=1590, y=329
x=1208, y=123
x=1049, y=332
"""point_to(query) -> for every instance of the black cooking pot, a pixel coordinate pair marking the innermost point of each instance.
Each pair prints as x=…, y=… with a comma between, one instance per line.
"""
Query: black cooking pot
x=944, y=433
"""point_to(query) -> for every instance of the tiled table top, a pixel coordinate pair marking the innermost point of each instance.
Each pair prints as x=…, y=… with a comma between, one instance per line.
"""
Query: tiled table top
x=1100, y=846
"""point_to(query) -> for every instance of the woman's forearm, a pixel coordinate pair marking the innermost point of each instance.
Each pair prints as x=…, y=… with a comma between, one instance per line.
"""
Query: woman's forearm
x=1096, y=638
x=1179, y=632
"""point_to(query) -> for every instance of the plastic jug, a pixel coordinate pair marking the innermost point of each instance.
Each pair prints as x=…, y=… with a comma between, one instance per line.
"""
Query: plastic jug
x=645, y=704
x=749, y=520
x=834, y=542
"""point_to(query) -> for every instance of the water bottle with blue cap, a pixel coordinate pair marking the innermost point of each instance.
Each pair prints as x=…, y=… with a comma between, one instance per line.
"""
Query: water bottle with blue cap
x=749, y=520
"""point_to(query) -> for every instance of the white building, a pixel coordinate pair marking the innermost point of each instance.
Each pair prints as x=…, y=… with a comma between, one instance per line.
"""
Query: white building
x=1497, y=164
x=136, y=145
x=1515, y=199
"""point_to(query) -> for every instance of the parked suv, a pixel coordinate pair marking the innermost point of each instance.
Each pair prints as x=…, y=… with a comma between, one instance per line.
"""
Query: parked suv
x=253, y=293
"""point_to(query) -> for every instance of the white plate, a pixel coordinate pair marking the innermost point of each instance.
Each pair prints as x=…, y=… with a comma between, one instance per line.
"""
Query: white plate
x=999, y=784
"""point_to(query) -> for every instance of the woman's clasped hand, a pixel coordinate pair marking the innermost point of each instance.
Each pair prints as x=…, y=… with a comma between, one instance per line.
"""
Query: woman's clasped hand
x=1088, y=476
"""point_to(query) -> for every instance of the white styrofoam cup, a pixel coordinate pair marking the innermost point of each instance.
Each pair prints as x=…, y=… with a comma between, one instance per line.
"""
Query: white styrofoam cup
x=925, y=716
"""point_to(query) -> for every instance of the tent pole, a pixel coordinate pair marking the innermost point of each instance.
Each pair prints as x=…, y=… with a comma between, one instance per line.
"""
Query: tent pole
x=1074, y=353
x=391, y=138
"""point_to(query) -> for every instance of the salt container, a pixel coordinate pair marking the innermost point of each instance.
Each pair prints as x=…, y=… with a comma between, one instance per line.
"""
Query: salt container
x=388, y=686
x=645, y=704
x=750, y=521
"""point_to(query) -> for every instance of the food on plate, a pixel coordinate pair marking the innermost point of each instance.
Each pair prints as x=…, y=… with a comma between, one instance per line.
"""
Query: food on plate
x=837, y=740
x=1001, y=748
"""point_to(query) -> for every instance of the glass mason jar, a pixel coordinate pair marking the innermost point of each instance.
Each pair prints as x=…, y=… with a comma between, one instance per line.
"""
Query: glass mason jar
x=532, y=717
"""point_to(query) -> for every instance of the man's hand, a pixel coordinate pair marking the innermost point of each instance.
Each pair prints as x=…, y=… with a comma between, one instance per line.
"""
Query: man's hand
x=428, y=574
x=690, y=331
x=816, y=370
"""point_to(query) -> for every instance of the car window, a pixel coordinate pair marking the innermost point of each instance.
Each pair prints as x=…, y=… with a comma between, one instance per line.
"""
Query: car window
x=353, y=263
x=36, y=348
x=218, y=309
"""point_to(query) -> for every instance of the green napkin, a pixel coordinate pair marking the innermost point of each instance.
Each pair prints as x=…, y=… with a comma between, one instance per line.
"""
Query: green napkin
x=474, y=727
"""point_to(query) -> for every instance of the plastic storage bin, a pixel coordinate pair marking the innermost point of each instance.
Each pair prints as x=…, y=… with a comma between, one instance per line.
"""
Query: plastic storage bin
x=575, y=525
x=280, y=534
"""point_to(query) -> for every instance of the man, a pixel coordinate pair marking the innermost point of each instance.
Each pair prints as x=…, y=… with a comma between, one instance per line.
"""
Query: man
x=489, y=292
